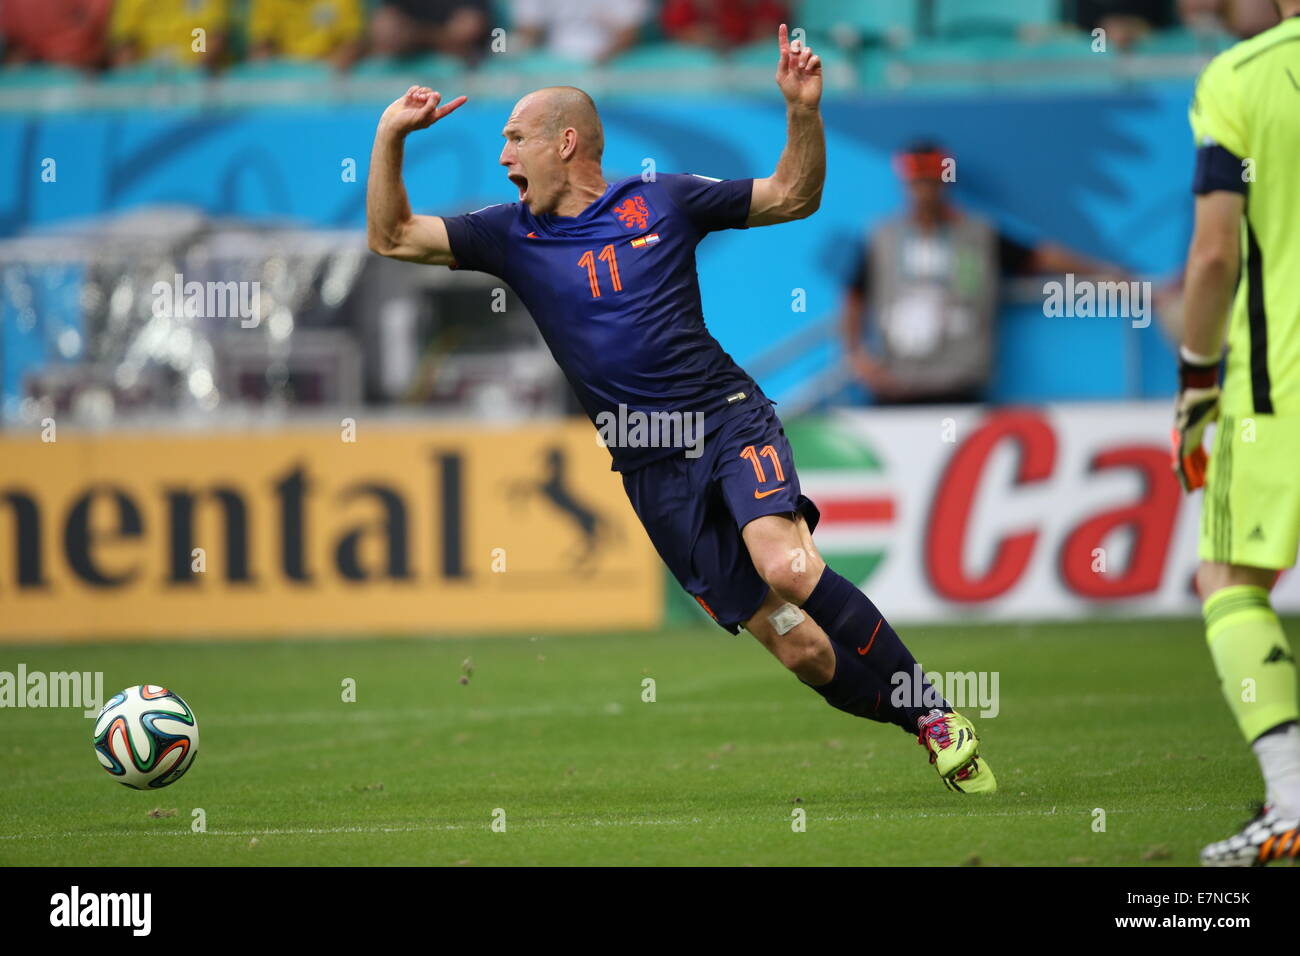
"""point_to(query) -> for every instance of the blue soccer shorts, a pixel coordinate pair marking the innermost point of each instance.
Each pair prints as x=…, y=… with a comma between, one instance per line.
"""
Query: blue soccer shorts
x=693, y=509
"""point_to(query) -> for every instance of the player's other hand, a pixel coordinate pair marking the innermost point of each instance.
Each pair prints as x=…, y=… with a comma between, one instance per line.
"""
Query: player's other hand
x=798, y=72
x=874, y=375
x=1197, y=406
x=418, y=109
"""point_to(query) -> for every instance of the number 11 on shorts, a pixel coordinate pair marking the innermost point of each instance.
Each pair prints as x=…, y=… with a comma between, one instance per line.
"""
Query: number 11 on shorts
x=755, y=458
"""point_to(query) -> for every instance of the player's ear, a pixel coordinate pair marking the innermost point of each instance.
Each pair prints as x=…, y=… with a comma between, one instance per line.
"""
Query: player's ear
x=568, y=142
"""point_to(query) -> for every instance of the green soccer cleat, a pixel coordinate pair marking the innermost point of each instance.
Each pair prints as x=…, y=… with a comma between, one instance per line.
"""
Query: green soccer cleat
x=954, y=750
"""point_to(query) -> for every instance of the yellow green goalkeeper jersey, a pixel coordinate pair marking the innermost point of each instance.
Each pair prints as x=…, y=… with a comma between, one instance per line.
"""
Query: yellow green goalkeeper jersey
x=1248, y=102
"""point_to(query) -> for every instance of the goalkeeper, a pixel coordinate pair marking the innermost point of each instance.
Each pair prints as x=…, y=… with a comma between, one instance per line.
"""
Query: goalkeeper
x=1243, y=284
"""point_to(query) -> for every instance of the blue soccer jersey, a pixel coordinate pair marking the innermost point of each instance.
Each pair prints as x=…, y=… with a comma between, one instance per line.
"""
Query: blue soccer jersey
x=616, y=296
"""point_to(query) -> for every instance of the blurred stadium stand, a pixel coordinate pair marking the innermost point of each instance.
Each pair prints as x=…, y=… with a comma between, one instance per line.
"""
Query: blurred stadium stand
x=880, y=43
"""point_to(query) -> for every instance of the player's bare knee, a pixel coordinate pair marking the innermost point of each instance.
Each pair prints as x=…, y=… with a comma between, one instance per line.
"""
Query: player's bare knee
x=790, y=573
x=1212, y=576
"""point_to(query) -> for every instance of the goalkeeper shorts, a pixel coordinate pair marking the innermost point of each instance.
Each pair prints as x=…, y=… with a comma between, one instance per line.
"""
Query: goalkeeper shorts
x=1251, y=512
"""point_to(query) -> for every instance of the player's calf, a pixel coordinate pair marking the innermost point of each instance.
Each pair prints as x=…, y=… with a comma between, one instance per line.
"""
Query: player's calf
x=803, y=647
x=846, y=684
x=799, y=644
x=840, y=644
x=782, y=551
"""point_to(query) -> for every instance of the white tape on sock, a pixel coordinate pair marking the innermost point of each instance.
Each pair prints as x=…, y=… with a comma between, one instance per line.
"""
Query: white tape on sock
x=786, y=618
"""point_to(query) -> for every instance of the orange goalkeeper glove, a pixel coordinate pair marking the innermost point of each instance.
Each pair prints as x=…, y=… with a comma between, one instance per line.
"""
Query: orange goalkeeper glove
x=1197, y=406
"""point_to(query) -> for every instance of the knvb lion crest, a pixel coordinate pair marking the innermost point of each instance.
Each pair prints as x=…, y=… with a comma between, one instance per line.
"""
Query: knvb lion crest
x=633, y=212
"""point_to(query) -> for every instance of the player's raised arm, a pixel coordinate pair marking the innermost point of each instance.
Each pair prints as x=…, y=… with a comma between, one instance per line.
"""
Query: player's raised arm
x=794, y=191
x=391, y=228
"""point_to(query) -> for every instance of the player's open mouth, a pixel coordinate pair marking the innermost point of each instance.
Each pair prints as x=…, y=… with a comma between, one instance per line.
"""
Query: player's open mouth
x=521, y=183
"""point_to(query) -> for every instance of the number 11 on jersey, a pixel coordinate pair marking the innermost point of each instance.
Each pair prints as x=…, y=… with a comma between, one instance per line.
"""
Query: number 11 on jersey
x=588, y=261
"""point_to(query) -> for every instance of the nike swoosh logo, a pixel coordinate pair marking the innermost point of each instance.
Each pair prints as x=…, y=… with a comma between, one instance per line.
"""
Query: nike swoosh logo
x=764, y=494
x=863, y=650
x=532, y=235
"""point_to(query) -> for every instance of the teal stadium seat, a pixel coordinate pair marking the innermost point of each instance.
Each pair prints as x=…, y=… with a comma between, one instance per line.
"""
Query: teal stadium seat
x=980, y=63
x=873, y=69
x=966, y=18
x=499, y=11
x=38, y=75
x=755, y=55
x=664, y=57
x=1180, y=42
x=304, y=71
x=424, y=69
x=758, y=61
x=534, y=63
x=855, y=22
x=150, y=75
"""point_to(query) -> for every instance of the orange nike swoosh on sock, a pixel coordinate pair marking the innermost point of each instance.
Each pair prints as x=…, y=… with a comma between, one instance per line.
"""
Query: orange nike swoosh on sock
x=863, y=650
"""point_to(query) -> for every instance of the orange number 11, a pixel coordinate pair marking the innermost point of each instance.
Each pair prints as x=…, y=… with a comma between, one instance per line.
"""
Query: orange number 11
x=588, y=261
x=767, y=452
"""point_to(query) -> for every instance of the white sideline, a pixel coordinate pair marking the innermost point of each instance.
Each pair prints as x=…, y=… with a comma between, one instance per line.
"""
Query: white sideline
x=574, y=825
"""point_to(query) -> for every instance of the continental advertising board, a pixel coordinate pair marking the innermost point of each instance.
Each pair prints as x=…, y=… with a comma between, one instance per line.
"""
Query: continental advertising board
x=387, y=529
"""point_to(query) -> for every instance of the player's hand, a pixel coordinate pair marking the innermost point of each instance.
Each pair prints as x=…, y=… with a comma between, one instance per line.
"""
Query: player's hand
x=418, y=109
x=1197, y=406
x=874, y=375
x=798, y=72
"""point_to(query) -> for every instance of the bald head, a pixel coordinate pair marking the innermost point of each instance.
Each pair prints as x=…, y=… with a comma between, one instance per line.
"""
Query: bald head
x=553, y=145
x=564, y=107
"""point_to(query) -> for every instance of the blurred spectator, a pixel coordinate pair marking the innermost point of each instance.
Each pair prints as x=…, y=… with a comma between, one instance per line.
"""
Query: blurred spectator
x=929, y=281
x=1245, y=18
x=588, y=30
x=1126, y=22
x=456, y=28
x=1202, y=15
x=67, y=32
x=1242, y=18
x=187, y=33
x=722, y=23
x=306, y=30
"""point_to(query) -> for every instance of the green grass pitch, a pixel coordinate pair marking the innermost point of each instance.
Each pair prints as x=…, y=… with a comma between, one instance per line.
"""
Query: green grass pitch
x=1119, y=715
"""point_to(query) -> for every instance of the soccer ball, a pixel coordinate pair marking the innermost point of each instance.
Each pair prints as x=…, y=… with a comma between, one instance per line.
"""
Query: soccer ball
x=146, y=737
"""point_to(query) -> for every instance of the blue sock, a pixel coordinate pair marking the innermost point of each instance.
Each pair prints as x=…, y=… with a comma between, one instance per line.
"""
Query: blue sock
x=858, y=630
x=857, y=691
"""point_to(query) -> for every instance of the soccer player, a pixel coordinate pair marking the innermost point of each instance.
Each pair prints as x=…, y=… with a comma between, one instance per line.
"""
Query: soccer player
x=607, y=271
x=1246, y=120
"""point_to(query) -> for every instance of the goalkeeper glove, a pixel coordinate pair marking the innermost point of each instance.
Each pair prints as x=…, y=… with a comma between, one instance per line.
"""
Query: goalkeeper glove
x=1198, y=405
